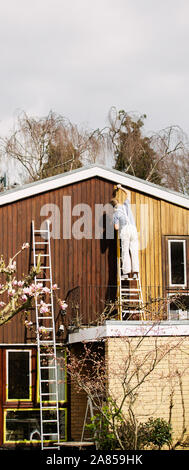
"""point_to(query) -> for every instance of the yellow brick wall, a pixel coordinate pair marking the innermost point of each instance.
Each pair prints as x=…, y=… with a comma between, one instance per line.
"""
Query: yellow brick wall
x=163, y=363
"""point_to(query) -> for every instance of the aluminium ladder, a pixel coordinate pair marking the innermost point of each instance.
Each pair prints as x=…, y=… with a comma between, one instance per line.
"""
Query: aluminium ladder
x=130, y=293
x=46, y=343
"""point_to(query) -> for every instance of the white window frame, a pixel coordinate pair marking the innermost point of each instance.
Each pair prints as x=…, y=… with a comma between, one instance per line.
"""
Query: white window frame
x=183, y=241
x=7, y=375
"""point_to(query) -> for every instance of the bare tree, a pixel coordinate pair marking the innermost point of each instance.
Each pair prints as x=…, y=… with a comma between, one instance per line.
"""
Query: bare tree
x=172, y=150
x=161, y=157
x=50, y=145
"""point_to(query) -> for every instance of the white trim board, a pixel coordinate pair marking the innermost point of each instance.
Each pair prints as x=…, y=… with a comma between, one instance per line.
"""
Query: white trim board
x=118, y=329
x=85, y=173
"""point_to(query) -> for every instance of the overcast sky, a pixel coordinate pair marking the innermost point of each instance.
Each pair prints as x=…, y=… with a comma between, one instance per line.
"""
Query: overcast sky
x=80, y=57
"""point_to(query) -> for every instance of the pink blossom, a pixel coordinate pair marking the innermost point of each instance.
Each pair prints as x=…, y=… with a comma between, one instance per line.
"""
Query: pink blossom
x=63, y=304
x=12, y=266
x=54, y=287
x=46, y=290
x=24, y=297
x=28, y=323
x=43, y=307
x=2, y=304
x=11, y=292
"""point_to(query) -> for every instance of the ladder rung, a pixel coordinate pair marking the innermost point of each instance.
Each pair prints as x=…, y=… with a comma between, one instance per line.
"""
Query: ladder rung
x=42, y=254
x=50, y=434
x=49, y=420
x=47, y=341
x=48, y=367
x=41, y=231
x=46, y=354
x=48, y=305
x=48, y=394
x=41, y=243
x=131, y=311
x=41, y=279
x=47, y=328
x=48, y=380
x=133, y=300
x=45, y=267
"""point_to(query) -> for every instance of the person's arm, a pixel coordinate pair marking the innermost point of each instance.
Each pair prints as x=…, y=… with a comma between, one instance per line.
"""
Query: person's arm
x=116, y=221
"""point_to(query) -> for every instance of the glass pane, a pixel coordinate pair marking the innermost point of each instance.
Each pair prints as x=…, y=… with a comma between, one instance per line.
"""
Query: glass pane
x=179, y=308
x=25, y=425
x=177, y=263
x=18, y=375
x=49, y=374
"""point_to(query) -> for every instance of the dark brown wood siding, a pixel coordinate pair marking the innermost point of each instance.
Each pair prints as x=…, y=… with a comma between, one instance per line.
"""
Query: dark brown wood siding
x=82, y=268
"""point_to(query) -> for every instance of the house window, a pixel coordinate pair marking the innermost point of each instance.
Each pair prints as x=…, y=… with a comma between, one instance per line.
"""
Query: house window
x=178, y=307
x=18, y=375
x=48, y=373
x=177, y=263
x=24, y=425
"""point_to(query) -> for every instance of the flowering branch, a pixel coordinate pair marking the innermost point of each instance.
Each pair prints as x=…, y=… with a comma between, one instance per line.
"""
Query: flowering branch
x=19, y=295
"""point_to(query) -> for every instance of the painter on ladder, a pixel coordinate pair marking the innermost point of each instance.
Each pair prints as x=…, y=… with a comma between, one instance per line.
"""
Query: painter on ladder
x=124, y=222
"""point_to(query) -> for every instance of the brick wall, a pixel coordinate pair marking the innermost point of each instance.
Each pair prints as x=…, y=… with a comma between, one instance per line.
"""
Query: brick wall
x=161, y=366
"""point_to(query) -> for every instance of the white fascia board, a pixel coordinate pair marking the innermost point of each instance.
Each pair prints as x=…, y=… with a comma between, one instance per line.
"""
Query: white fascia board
x=123, y=329
x=139, y=185
x=86, y=173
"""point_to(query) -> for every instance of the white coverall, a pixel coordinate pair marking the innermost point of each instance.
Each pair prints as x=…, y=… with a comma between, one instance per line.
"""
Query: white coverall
x=123, y=217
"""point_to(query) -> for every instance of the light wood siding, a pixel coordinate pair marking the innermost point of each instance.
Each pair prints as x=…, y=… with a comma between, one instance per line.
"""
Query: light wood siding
x=163, y=218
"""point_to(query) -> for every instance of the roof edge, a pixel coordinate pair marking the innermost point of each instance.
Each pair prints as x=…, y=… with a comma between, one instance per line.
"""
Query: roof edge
x=91, y=171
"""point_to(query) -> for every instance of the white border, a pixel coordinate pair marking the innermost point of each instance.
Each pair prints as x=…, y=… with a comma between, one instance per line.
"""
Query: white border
x=122, y=329
x=85, y=173
x=169, y=257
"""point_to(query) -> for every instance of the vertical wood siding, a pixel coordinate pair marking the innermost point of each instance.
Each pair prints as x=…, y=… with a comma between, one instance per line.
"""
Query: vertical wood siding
x=84, y=268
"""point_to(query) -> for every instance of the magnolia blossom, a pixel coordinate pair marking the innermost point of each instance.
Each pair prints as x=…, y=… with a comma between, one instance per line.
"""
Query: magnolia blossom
x=63, y=304
x=25, y=245
x=11, y=292
x=46, y=290
x=20, y=283
x=54, y=287
x=2, y=304
x=24, y=297
x=34, y=290
x=11, y=266
x=42, y=329
x=43, y=307
x=28, y=323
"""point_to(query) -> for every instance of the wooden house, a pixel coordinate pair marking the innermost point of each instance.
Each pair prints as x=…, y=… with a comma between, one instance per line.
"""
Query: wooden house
x=84, y=266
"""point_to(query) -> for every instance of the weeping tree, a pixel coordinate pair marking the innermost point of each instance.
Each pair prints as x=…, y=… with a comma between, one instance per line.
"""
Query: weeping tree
x=46, y=146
